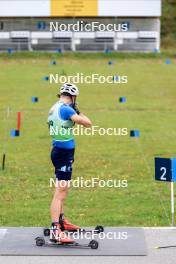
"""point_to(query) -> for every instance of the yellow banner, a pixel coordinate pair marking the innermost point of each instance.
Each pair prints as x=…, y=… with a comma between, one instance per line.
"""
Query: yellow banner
x=71, y=8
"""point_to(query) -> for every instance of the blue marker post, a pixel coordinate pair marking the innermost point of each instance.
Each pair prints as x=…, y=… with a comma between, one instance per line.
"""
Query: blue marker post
x=155, y=50
x=110, y=62
x=53, y=62
x=59, y=50
x=107, y=51
x=165, y=170
x=115, y=78
x=45, y=78
x=9, y=50
x=34, y=99
x=168, y=61
x=122, y=99
x=14, y=133
x=134, y=133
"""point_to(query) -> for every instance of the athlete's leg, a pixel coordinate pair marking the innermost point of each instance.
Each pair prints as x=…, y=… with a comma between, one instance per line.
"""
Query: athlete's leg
x=56, y=208
x=63, y=170
x=60, y=194
x=62, y=161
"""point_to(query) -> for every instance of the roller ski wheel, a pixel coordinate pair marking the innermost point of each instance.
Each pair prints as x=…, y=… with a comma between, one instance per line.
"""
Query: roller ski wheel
x=93, y=244
x=99, y=229
x=40, y=241
x=46, y=231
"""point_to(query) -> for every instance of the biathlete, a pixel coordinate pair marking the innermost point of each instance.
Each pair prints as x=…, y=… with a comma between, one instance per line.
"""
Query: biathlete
x=63, y=115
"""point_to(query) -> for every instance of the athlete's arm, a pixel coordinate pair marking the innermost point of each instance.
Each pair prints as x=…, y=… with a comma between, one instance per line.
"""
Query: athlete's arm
x=81, y=120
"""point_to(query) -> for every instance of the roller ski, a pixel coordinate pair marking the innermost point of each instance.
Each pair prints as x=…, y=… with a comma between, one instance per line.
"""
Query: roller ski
x=66, y=226
x=40, y=241
x=59, y=238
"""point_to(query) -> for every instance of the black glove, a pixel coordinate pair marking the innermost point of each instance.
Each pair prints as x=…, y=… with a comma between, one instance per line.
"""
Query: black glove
x=76, y=109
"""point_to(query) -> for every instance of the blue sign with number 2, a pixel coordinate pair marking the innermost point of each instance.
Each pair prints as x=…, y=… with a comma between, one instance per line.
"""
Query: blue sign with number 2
x=165, y=169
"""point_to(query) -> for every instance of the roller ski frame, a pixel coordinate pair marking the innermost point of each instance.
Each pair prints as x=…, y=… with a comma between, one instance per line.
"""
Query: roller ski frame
x=98, y=229
x=40, y=241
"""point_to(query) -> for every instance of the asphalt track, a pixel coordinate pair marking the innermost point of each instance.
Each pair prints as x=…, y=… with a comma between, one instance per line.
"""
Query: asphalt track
x=114, y=241
x=154, y=237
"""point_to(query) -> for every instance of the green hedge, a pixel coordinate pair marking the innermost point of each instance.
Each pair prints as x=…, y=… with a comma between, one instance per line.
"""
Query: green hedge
x=167, y=53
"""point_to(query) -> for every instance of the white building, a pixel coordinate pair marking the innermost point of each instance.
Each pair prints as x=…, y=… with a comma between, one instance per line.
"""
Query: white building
x=25, y=25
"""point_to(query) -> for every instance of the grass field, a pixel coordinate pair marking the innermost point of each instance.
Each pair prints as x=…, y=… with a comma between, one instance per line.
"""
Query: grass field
x=25, y=194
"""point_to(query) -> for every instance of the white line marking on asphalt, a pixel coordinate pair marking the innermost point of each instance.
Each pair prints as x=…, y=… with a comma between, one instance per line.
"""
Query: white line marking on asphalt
x=2, y=233
x=161, y=227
